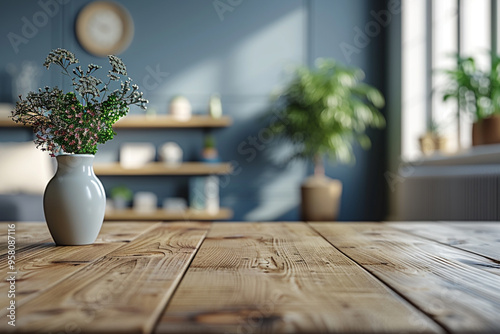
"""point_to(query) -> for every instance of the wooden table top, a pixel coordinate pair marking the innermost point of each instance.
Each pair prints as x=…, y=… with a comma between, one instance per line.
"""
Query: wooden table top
x=190, y=277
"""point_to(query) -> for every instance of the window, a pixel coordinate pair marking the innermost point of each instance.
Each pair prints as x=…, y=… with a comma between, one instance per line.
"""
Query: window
x=433, y=31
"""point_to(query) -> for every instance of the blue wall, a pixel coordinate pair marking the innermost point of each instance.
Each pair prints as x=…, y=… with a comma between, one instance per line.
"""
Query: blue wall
x=240, y=54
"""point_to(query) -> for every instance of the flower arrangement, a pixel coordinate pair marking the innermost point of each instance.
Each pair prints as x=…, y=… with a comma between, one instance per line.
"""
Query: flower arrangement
x=76, y=123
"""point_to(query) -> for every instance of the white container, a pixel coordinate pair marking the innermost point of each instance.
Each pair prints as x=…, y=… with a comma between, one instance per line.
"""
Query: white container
x=74, y=201
x=136, y=155
x=212, y=194
x=171, y=153
x=174, y=204
x=145, y=202
x=204, y=193
x=180, y=108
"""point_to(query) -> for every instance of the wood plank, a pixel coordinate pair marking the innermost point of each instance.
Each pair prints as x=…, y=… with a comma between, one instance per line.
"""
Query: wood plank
x=160, y=168
x=27, y=235
x=479, y=238
x=122, y=231
x=282, y=278
x=166, y=121
x=44, y=265
x=188, y=215
x=459, y=296
x=123, y=292
x=35, y=238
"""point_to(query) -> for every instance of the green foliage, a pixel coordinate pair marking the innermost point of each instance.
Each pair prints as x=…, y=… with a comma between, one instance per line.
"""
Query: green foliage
x=122, y=192
x=324, y=110
x=112, y=110
x=494, y=77
x=477, y=91
x=209, y=141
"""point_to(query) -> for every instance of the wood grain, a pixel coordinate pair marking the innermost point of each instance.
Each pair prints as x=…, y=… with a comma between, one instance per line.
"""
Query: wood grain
x=258, y=278
x=446, y=283
x=36, y=241
x=123, y=292
x=27, y=235
x=123, y=231
x=282, y=278
x=479, y=238
x=34, y=234
x=45, y=265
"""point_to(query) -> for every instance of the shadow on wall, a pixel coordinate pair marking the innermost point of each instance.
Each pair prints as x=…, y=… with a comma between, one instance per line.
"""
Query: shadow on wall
x=270, y=193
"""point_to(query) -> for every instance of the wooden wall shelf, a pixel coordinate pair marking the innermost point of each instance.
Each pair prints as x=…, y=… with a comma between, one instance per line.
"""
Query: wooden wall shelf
x=8, y=123
x=131, y=215
x=151, y=122
x=160, y=168
x=165, y=121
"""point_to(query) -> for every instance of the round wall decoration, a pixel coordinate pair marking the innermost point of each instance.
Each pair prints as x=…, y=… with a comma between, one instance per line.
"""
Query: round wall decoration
x=104, y=28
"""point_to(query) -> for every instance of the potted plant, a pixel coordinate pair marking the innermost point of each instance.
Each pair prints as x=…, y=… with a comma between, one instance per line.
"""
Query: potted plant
x=121, y=196
x=477, y=93
x=70, y=125
x=209, y=153
x=322, y=112
x=432, y=141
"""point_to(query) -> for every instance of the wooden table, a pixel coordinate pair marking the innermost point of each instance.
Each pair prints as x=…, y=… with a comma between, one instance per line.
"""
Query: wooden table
x=257, y=278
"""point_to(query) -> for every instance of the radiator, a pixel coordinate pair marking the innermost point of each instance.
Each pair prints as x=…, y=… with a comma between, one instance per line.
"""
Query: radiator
x=450, y=193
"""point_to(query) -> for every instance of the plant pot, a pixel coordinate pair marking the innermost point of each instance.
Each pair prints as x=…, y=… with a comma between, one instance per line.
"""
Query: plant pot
x=486, y=131
x=320, y=198
x=490, y=129
x=427, y=144
x=74, y=201
x=210, y=155
x=430, y=143
x=441, y=143
x=477, y=133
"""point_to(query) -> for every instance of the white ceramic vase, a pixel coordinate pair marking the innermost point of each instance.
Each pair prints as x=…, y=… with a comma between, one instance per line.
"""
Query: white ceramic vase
x=74, y=201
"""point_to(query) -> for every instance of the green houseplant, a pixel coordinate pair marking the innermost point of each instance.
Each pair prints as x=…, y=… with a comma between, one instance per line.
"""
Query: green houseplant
x=432, y=141
x=322, y=112
x=121, y=196
x=478, y=94
x=209, y=153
